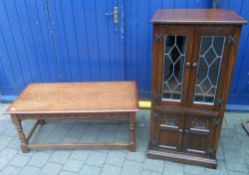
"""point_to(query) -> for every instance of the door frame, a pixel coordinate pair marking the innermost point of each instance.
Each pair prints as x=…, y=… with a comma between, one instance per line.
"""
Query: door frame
x=158, y=48
x=210, y=31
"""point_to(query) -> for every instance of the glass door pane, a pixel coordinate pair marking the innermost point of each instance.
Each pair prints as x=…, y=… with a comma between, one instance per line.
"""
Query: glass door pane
x=208, y=69
x=173, y=67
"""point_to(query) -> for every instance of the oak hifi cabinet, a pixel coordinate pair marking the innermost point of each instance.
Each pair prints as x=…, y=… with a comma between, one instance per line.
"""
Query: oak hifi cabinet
x=194, y=52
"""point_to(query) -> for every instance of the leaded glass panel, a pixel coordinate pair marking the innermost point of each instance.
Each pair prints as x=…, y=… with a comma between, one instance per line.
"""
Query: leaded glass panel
x=173, y=67
x=208, y=70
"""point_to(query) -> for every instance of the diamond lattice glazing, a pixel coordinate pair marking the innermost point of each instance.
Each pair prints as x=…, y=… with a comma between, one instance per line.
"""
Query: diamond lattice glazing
x=208, y=70
x=173, y=67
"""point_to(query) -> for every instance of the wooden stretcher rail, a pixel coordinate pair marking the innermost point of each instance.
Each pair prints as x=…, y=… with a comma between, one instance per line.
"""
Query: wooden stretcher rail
x=79, y=145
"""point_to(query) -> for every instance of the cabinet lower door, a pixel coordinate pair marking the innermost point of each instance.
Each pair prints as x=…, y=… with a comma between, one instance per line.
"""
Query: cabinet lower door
x=170, y=131
x=199, y=135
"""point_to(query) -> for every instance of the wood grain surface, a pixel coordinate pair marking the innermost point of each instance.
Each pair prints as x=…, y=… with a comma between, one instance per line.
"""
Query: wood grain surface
x=84, y=97
x=197, y=16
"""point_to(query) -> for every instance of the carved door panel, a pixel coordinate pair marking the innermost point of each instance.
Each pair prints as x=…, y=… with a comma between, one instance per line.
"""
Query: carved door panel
x=199, y=134
x=170, y=130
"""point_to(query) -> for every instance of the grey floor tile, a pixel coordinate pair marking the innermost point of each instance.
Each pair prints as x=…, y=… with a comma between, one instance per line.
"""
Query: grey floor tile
x=10, y=170
x=80, y=155
x=14, y=143
x=39, y=159
x=220, y=170
x=230, y=142
x=110, y=170
x=142, y=132
x=228, y=132
x=136, y=156
x=113, y=127
x=150, y=173
x=232, y=152
x=90, y=136
x=232, y=118
x=154, y=165
x=73, y=165
x=31, y=153
x=5, y=156
x=142, y=145
x=40, y=137
x=131, y=166
x=96, y=158
x=106, y=137
x=57, y=135
x=90, y=170
x=129, y=172
x=19, y=160
x=51, y=169
x=60, y=157
x=67, y=173
x=192, y=169
x=240, y=130
x=116, y=158
x=235, y=161
x=220, y=153
x=11, y=132
x=70, y=140
x=30, y=170
x=244, y=140
x=172, y=168
x=236, y=173
x=5, y=140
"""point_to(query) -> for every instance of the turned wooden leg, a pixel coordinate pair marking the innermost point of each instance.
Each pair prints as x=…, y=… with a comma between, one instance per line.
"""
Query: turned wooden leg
x=18, y=123
x=42, y=122
x=132, y=123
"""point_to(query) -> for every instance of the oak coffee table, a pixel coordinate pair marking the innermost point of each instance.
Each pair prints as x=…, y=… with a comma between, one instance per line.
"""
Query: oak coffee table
x=78, y=101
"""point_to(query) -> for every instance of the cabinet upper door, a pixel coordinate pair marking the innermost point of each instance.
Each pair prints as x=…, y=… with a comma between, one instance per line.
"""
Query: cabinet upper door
x=209, y=67
x=172, y=49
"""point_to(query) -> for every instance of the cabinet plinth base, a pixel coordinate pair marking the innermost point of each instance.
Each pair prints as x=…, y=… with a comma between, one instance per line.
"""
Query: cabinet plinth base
x=181, y=158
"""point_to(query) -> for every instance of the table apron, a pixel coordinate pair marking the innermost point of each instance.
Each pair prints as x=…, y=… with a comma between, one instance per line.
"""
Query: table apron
x=72, y=116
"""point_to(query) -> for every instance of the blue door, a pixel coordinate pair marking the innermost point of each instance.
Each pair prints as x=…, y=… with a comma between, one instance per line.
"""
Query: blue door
x=78, y=40
x=88, y=39
x=60, y=40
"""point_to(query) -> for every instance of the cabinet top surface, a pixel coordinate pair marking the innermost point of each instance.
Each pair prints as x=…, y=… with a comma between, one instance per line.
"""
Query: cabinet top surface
x=197, y=16
x=87, y=97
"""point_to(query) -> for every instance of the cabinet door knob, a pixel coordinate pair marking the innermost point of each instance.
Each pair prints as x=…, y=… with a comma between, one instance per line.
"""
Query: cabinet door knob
x=188, y=64
x=194, y=64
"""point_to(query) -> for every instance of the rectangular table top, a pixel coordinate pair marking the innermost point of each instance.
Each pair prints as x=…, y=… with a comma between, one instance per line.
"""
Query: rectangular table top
x=197, y=16
x=87, y=97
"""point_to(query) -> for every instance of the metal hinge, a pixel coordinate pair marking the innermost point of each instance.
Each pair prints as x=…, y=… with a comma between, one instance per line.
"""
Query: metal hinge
x=158, y=37
x=217, y=122
x=231, y=39
x=157, y=96
x=210, y=151
x=219, y=101
x=155, y=114
x=154, y=142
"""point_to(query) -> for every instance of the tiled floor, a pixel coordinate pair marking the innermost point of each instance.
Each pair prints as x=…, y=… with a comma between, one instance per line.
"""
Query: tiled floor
x=233, y=152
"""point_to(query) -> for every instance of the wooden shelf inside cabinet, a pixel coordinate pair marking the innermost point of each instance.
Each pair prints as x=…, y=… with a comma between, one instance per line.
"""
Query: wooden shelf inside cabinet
x=197, y=51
